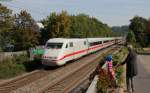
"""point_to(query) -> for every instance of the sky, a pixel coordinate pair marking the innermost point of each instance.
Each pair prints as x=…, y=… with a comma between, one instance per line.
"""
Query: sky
x=111, y=12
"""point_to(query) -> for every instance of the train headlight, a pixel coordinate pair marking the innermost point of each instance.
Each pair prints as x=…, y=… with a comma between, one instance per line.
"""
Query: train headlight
x=48, y=57
x=54, y=57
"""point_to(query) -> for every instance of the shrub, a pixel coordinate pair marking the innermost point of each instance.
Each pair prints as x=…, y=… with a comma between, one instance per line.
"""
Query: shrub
x=9, y=68
x=16, y=65
x=119, y=76
x=20, y=59
x=104, y=82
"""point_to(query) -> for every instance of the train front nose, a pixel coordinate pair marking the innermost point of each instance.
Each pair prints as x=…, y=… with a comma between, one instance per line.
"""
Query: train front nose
x=50, y=56
x=49, y=61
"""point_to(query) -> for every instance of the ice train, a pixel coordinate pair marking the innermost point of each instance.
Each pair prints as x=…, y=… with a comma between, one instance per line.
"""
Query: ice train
x=58, y=51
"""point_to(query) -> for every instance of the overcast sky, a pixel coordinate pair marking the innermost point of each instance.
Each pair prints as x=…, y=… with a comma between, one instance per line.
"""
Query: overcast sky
x=111, y=12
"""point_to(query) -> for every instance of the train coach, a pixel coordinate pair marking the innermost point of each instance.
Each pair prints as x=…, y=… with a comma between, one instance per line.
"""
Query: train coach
x=58, y=51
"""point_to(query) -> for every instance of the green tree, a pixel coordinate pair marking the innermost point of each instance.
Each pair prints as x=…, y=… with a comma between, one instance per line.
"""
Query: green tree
x=84, y=26
x=74, y=26
x=131, y=38
x=148, y=32
x=26, y=31
x=79, y=26
x=120, y=30
x=63, y=23
x=139, y=27
x=49, y=24
x=57, y=25
x=6, y=25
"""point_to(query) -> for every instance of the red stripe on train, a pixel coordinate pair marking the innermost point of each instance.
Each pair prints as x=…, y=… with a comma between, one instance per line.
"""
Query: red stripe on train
x=82, y=51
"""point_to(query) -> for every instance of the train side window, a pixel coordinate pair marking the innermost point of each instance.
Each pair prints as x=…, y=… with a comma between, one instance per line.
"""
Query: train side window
x=105, y=41
x=66, y=45
x=91, y=44
x=71, y=44
x=84, y=42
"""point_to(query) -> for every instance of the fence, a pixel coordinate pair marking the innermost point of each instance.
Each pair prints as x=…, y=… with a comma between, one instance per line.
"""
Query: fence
x=4, y=55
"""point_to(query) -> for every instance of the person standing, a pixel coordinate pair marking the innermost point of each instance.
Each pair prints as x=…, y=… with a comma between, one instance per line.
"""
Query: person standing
x=131, y=68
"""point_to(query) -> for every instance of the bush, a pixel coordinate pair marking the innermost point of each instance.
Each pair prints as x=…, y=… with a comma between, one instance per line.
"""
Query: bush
x=20, y=59
x=117, y=59
x=32, y=65
x=104, y=81
x=16, y=65
x=119, y=76
x=9, y=68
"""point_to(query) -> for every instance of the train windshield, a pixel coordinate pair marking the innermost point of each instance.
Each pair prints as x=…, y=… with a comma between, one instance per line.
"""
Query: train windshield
x=54, y=45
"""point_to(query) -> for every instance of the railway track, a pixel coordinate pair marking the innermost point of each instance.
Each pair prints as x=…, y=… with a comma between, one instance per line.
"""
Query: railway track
x=25, y=80
x=68, y=83
x=38, y=80
x=64, y=86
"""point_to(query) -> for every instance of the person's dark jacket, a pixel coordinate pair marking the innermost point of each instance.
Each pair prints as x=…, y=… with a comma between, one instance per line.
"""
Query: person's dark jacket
x=131, y=64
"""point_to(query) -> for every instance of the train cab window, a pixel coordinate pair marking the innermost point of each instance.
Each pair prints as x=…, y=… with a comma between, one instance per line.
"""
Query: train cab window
x=71, y=44
x=84, y=42
x=52, y=45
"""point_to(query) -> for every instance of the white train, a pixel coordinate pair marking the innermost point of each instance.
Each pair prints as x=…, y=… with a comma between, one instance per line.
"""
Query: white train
x=58, y=51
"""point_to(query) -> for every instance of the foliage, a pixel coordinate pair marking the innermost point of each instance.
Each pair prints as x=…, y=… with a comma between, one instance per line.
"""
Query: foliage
x=19, y=31
x=17, y=65
x=120, y=30
x=6, y=25
x=22, y=32
x=26, y=31
x=57, y=25
x=11, y=67
x=140, y=27
x=131, y=38
x=118, y=58
x=104, y=82
x=74, y=26
x=83, y=26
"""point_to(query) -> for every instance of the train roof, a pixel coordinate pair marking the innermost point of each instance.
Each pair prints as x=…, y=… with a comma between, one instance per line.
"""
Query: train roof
x=65, y=39
x=79, y=39
x=101, y=39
